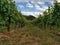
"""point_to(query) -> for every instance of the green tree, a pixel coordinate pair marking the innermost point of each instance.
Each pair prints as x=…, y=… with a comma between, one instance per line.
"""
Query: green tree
x=45, y=19
x=56, y=13
x=9, y=13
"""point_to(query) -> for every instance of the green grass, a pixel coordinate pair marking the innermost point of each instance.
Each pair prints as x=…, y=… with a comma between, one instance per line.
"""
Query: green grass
x=29, y=35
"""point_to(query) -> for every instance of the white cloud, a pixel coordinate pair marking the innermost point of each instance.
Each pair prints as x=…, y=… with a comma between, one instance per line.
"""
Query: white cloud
x=45, y=7
x=37, y=6
x=41, y=9
x=52, y=2
x=58, y=0
x=35, y=14
x=40, y=2
x=33, y=0
x=29, y=5
x=21, y=0
x=20, y=6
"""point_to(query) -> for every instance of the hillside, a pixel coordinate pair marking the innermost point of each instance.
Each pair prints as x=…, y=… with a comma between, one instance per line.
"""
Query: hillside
x=30, y=17
x=29, y=36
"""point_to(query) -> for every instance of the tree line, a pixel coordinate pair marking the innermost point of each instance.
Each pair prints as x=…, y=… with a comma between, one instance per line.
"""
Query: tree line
x=50, y=18
x=9, y=15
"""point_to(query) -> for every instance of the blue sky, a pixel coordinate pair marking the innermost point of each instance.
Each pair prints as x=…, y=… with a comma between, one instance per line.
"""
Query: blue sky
x=33, y=7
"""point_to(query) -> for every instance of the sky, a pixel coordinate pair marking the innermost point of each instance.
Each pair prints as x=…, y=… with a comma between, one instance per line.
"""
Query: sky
x=33, y=7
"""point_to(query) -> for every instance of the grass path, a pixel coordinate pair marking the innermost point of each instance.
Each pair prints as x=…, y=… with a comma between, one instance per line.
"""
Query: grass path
x=29, y=36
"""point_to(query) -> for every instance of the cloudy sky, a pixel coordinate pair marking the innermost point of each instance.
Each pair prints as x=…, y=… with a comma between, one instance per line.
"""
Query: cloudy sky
x=33, y=7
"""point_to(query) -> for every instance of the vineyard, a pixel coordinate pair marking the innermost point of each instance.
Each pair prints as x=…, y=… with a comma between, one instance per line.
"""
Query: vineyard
x=17, y=29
